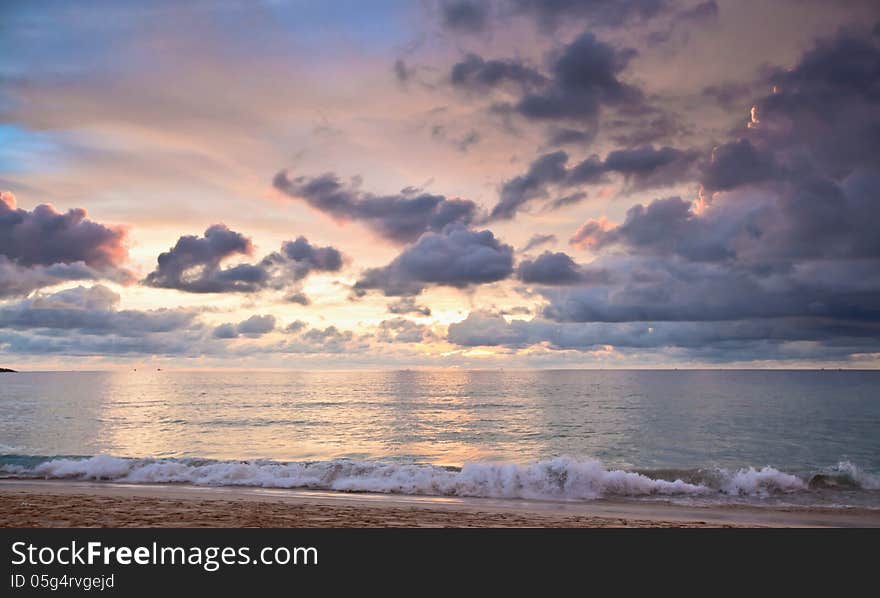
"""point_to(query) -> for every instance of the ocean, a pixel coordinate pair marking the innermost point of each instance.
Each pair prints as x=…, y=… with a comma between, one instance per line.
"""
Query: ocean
x=759, y=437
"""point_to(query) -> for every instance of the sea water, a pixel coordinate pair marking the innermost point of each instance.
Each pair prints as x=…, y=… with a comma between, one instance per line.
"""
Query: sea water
x=763, y=437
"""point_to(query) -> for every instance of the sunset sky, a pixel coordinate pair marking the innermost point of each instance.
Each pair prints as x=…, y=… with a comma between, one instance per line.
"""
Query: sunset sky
x=462, y=183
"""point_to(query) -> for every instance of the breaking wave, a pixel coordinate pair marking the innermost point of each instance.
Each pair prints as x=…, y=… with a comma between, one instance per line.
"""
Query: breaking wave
x=560, y=478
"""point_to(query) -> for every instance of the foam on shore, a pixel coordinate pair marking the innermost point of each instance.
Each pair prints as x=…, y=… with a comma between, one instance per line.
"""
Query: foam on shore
x=560, y=478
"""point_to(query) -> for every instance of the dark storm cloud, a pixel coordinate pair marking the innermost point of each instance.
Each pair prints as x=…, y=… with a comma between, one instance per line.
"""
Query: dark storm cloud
x=547, y=170
x=253, y=327
x=583, y=78
x=806, y=251
x=728, y=340
x=640, y=168
x=194, y=264
x=455, y=257
x=45, y=236
x=737, y=163
x=781, y=259
x=645, y=166
x=820, y=121
x=401, y=218
x=557, y=269
x=674, y=290
x=465, y=16
x=202, y=256
x=828, y=103
x=642, y=288
x=663, y=227
x=297, y=259
x=43, y=247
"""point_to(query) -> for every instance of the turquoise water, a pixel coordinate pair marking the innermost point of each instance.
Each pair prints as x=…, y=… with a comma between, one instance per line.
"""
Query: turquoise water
x=799, y=435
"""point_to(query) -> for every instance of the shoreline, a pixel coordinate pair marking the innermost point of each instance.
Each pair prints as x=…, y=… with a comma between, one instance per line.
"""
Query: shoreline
x=62, y=503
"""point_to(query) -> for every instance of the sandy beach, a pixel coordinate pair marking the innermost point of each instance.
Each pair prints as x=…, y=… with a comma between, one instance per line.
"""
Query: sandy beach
x=28, y=503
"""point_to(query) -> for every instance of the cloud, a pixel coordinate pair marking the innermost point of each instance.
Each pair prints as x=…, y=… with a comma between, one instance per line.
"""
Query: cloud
x=801, y=251
x=44, y=247
x=400, y=218
x=469, y=139
x=402, y=72
x=547, y=170
x=408, y=305
x=473, y=16
x=87, y=321
x=455, y=257
x=194, y=264
x=583, y=79
x=663, y=227
x=308, y=340
x=253, y=327
x=401, y=330
x=729, y=94
x=297, y=259
x=640, y=168
x=646, y=167
x=607, y=13
x=642, y=288
x=295, y=327
x=476, y=74
x=738, y=163
x=90, y=310
x=819, y=121
x=465, y=16
x=716, y=341
x=704, y=11
x=557, y=269
x=537, y=241
x=780, y=259
x=561, y=136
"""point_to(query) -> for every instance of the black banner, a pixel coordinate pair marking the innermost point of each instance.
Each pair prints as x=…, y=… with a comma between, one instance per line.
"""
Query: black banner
x=223, y=561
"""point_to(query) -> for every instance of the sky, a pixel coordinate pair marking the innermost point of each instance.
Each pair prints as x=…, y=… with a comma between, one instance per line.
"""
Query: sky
x=439, y=184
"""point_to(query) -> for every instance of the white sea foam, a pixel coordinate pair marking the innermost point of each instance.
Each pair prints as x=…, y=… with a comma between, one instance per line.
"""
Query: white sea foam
x=760, y=482
x=562, y=478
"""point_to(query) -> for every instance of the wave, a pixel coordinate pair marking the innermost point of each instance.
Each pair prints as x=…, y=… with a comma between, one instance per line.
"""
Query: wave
x=560, y=478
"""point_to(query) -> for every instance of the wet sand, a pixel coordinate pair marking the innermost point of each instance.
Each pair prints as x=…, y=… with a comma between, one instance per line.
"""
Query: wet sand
x=29, y=503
